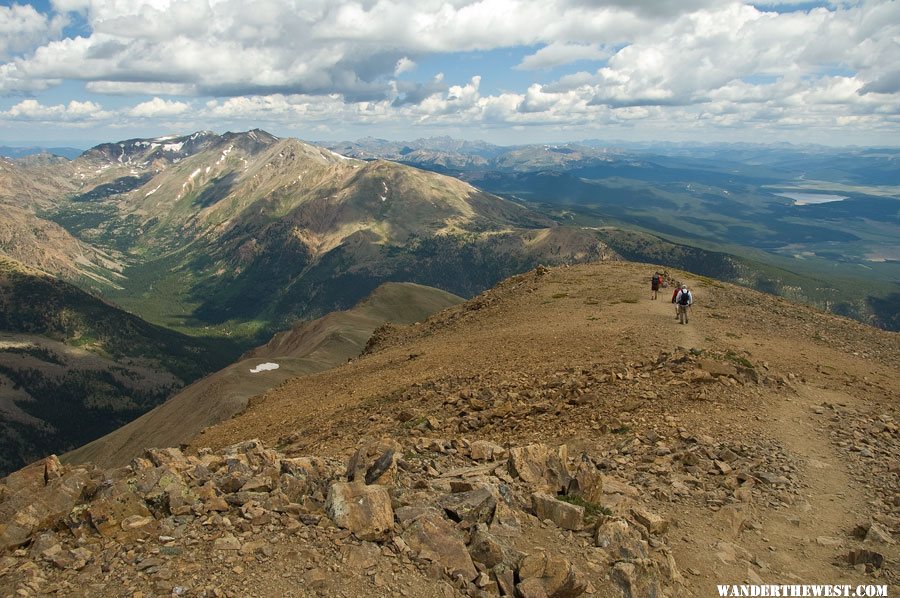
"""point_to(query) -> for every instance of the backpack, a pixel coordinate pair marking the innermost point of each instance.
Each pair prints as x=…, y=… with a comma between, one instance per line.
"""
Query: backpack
x=684, y=298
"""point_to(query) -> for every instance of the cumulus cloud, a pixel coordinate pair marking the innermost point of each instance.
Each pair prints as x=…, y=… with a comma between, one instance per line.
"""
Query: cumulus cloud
x=22, y=28
x=309, y=61
x=557, y=54
x=158, y=107
x=73, y=112
x=404, y=65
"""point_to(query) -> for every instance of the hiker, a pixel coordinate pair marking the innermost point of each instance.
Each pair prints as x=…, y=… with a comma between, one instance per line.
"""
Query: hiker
x=655, y=283
x=683, y=300
x=674, y=296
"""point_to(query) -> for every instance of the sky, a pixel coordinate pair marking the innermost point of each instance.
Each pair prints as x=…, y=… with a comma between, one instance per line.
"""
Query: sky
x=79, y=72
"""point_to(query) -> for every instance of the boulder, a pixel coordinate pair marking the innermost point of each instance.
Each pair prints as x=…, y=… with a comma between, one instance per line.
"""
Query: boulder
x=254, y=453
x=477, y=506
x=621, y=541
x=552, y=576
x=432, y=538
x=636, y=580
x=33, y=477
x=35, y=508
x=718, y=368
x=878, y=535
x=117, y=504
x=482, y=450
x=653, y=522
x=540, y=466
x=485, y=549
x=561, y=513
x=312, y=468
x=506, y=579
x=167, y=456
x=75, y=559
x=227, y=542
x=375, y=462
x=171, y=494
x=364, y=510
x=531, y=588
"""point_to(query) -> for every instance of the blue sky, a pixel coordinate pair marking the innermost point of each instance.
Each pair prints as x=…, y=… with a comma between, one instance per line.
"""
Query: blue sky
x=507, y=71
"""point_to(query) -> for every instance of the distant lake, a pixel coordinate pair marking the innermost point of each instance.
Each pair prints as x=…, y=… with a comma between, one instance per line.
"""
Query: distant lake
x=803, y=199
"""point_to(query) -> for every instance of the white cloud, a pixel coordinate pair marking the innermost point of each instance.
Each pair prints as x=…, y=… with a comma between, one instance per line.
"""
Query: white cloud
x=73, y=112
x=557, y=54
x=22, y=28
x=126, y=88
x=319, y=61
x=404, y=65
x=158, y=107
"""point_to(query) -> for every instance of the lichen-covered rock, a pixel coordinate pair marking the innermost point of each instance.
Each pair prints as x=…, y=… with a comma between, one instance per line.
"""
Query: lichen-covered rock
x=483, y=450
x=364, y=510
x=562, y=514
x=541, y=574
x=540, y=466
x=432, y=538
x=33, y=507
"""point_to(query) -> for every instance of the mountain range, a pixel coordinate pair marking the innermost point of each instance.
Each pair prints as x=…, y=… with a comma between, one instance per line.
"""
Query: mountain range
x=557, y=434
x=256, y=231
x=21, y=151
x=228, y=239
x=822, y=223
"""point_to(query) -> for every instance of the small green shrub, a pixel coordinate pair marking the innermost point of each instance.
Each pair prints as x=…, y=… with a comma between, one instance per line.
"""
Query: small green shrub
x=592, y=511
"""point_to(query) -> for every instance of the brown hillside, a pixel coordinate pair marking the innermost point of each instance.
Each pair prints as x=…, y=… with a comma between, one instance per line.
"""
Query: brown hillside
x=581, y=356
x=308, y=347
x=756, y=444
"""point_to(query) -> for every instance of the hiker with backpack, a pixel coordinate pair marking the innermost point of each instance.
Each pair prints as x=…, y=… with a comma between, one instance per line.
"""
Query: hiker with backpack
x=655, y=283
x=683, y=299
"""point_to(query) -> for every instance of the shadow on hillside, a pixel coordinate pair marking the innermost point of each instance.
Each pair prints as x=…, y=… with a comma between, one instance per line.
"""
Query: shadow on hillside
x=887, y=311
x=218, y=189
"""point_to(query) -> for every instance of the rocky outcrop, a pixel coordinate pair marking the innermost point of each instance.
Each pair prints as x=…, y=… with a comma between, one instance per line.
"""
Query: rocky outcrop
x=462, y=519
x=540, y=466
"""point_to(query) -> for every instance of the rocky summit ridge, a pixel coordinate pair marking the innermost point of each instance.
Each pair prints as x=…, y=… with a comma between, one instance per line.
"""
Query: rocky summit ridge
x=558, y=435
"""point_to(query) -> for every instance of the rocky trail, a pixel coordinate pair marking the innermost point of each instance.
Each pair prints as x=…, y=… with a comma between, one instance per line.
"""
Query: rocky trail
x=559, y=435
